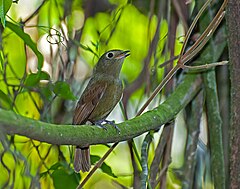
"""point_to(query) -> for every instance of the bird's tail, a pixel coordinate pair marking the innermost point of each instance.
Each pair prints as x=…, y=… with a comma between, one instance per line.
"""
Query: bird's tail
x=82, y=159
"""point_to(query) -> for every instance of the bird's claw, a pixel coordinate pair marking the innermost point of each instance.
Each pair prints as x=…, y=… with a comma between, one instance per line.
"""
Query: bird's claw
x=112, y=123
x=99, y=124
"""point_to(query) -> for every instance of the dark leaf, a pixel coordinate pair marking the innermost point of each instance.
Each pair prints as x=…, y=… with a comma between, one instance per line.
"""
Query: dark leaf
x=94, y=159
x=105, y=168
x=5, y=101
x=62, y=179
x=55, y=166
x=46, y=91
x=108, y=170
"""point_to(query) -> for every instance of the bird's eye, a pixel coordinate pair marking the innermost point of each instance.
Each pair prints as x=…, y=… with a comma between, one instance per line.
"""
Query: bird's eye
x=109, y=55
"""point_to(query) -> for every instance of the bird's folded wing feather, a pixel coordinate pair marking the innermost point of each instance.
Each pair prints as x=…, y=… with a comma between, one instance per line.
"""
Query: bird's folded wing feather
x=88, y=101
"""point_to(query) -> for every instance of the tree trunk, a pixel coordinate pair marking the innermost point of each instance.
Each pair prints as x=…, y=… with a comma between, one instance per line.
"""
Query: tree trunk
x=233, y=19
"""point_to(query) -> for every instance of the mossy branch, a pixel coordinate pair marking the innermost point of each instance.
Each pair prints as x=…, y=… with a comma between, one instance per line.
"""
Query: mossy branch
x=12, y=123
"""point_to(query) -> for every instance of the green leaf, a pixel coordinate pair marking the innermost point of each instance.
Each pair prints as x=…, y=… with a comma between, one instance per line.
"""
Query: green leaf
x=5, y=101
x=27, y=39
x=34, y=78
x=44, y=75
x=4, y=7
x=63, y=180
x=105, y=168
x=63, y=90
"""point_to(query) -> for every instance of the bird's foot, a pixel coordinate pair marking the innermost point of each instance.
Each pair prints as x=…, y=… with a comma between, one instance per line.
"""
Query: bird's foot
x=99, y=123
x=112, y=123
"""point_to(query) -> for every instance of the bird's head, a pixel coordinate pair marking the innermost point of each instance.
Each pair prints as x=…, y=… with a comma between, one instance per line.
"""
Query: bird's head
x=111, y=62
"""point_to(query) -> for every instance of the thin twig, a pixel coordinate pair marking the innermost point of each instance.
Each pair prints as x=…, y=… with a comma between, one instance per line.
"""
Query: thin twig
x=164, y=169
x=190, y=53
x=204, y=38
x=206, y=66
x=192, y=27
x=168, y=61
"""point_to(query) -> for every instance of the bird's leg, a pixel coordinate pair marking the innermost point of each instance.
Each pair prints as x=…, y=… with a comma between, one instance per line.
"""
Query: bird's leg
x=112, y=123
x=99, y=124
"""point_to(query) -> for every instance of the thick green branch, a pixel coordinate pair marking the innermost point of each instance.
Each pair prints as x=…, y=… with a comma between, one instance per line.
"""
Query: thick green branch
x=12, y=123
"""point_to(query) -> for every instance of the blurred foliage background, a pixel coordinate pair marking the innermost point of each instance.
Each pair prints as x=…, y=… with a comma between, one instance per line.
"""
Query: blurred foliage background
x=48, y=50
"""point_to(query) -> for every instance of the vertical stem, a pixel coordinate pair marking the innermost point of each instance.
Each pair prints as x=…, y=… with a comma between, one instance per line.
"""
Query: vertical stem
x=215, y=130
x=193, y=127
x=214, y=120
x=166, y=157
x=154, y=170
x=144, y=160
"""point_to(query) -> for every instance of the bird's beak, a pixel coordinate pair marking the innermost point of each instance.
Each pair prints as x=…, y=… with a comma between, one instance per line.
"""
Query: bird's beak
x=123, y=54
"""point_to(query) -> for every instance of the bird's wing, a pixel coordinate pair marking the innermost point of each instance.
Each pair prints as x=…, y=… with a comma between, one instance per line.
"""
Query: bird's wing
x=88, y=101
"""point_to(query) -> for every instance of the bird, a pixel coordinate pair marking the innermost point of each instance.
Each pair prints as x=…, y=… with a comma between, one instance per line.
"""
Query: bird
x=102, y=93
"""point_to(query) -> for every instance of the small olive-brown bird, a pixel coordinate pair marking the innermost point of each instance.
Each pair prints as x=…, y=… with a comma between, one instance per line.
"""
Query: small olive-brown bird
x=101, y=95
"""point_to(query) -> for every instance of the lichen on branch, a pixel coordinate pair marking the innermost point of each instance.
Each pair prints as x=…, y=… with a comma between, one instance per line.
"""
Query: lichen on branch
x=11, y=123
